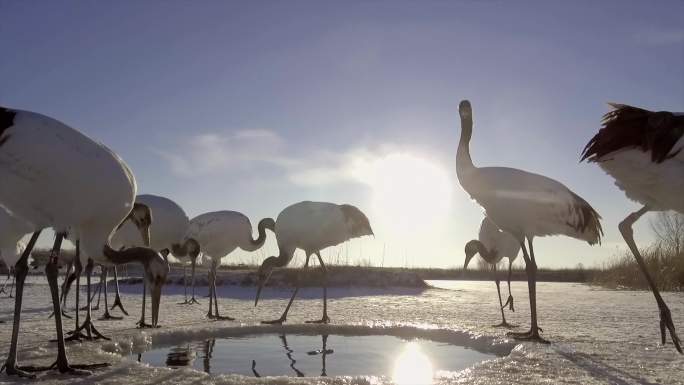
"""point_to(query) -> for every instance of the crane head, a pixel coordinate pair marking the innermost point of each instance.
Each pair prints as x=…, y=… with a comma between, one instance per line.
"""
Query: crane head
x=358, y=224
x=471, y=248
x=465, y=110
x=141, y=216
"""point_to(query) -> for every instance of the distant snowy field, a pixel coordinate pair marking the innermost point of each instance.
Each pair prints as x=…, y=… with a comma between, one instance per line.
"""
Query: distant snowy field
x=598, y=336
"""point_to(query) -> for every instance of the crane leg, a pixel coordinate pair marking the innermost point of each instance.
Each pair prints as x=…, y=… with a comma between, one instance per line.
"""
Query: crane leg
x=106, y=315
x=531, y=268
x=283, y=317
x=76, y=335
x=64, y=291
x=509, y=301
x=142, y=324
x=62, y=363
x=185, y=286
x=14, y=280
x=209, y=274
x=91, y=332
x=217, y=316
x=20, y=272
x=665, y=316
x=91, y=298
x=117, y=297
x=325, y=319
x=192, y=279
x=210, y=284
x=503, y=323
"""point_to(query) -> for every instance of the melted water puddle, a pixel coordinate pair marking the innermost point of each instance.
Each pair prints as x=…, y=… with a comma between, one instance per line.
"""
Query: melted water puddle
x=408, y=362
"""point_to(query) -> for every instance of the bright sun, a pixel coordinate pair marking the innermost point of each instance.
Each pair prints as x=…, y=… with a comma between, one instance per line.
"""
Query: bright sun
x=410, y=194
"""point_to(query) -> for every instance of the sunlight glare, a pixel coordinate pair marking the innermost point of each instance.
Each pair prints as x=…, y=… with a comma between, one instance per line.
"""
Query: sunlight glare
x=412, y=367
x=410, y=194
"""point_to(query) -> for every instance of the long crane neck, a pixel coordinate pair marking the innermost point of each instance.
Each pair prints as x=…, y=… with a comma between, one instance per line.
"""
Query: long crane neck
x=464, y=163
x=130, y=255
x=255, y=244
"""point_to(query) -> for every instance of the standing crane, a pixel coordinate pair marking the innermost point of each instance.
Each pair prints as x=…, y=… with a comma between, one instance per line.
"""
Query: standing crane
x=311, y=226
x=219, y=233
x=644, y=152
x=54, y=176
x=166, y=233
x=525, y=205
x=493, y=245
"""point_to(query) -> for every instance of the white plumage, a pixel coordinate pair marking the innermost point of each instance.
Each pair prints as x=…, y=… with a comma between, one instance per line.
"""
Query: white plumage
x=218, y=234
x=12, y=230
x=644, y=152
x=499, y=243
x=525, y=205
x=659, y=186
x=54, y=176
x=168, y=227
x=169, y=224
x=493, y=245
x=311, y=226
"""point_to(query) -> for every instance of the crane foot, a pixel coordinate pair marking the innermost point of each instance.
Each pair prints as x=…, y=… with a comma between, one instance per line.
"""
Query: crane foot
x=324, y=320
x=505, y=324
x=117, y=303
x=64, y=314
x=222, y=318
x=143, y=325
x=107, y=317
x=530, y=335
x=278, y=321
x=14, y=370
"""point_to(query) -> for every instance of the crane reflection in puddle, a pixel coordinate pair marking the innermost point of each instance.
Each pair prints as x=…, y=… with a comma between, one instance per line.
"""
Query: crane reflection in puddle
x=324, y=352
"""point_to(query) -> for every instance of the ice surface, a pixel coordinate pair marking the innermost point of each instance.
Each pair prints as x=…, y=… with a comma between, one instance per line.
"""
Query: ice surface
x=598, y=336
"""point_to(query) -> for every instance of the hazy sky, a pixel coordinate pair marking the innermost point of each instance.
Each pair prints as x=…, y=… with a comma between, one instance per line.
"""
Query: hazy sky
x=254, y=105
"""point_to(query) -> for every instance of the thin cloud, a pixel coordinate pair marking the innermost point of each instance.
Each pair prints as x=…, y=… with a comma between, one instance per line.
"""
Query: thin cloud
x=660, y=36
x=209, y=153
x=213, y=153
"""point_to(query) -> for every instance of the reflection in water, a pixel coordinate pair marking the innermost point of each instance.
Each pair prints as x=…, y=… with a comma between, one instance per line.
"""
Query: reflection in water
x=298, y=355
x=180, y=356
x=289, y=351
x=323, y=352
x=412, y=367
x=208, y=350
x=256, y=374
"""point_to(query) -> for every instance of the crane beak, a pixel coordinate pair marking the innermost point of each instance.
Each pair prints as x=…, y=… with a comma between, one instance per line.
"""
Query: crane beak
x=258, y=294
x=465, y=264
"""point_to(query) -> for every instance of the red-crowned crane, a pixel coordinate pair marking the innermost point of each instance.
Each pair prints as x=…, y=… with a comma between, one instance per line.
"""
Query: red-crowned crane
x=219, y=233
x=644, y=152
x=54, y=176
x=493, y=245
x=311, y=226
x=526, y=205
x=166, y=233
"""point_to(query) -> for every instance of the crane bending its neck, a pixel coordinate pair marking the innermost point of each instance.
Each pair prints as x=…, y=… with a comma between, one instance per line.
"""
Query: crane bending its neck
x=255, y=244
x=270, y=263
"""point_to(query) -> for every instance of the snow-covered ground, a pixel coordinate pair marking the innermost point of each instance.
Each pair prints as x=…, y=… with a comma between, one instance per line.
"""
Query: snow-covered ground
x=598, y=336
